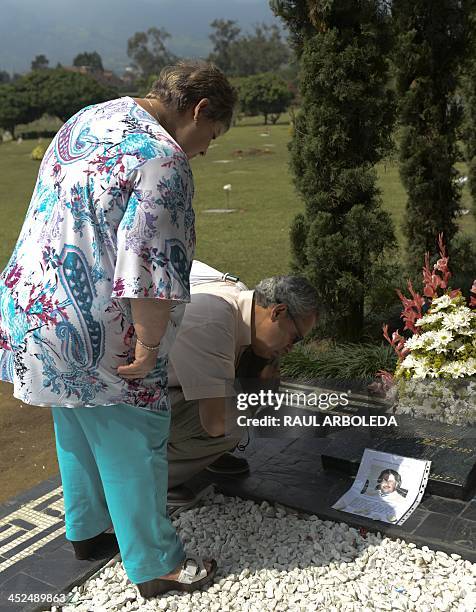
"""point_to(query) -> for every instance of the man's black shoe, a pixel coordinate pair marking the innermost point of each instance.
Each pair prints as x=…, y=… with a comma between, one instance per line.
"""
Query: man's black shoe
x=181, y=496
x=229, y=464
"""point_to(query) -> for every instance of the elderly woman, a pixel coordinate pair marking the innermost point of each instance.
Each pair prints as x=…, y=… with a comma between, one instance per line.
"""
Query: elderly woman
x=90, y=303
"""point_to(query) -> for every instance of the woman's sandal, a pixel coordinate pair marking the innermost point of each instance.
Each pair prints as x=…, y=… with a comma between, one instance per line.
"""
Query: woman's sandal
x=193, y=576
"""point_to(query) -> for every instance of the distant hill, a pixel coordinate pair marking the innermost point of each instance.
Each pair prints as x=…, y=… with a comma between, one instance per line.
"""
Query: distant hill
x=61, y=29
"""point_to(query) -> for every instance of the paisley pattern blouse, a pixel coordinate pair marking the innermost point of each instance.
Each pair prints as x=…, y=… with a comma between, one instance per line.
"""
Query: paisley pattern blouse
x=110, y=219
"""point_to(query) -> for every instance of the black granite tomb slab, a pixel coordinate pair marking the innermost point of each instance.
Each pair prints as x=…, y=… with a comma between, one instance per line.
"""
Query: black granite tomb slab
x=314, y=491
x=451, y=449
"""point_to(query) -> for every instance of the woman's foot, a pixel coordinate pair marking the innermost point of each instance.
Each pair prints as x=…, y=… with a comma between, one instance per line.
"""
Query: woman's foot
x=192, y=574
x=176, y=573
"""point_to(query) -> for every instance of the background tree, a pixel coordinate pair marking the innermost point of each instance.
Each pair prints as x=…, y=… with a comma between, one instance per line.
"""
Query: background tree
x=264, y=94
x=93, y=60
x=343, y=128
x=4, y=77
x=23, y=100
x=243, y=55
x=148, y=52
x=14, y=108
x=429, y=46
x=57, y=92
x=40, y=62
x=225, y=33
x=262, y=51
x=64, y=93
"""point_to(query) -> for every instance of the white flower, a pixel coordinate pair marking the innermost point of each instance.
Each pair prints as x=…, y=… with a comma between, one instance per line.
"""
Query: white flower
x=410, y=361
x=437, y=340
x=456, y=369
x=415, y=342
x=460, y=318
x=227, y=187
x=420, y=371
x=440, y=303
x=471, y=366
x=433, y=317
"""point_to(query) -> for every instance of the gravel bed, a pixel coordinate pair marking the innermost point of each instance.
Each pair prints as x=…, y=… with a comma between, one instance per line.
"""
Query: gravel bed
x=273, y=558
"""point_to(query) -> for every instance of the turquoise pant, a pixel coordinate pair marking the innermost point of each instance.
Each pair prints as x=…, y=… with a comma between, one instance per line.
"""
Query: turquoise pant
x=113, y=464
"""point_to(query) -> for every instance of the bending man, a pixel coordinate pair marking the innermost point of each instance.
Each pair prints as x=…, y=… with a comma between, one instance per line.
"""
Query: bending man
x=226, y=332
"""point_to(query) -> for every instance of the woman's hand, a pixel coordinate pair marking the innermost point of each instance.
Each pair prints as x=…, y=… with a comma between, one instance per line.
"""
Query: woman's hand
x=144, y=362
x=150, y=318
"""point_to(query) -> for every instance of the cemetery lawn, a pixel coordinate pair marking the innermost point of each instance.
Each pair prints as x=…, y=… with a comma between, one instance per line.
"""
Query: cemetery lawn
x=252, y=242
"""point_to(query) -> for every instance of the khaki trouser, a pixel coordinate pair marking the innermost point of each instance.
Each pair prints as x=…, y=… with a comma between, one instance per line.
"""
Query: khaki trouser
x=190, y=448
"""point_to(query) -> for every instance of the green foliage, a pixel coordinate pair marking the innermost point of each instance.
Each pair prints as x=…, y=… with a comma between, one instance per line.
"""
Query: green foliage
x=462, y=253
x=343, y=128
x=469, y=100
x=15, y=107
x=68, y=92
x=430, y=44
x=247, y=54
x=58, y=92
x=298, y=18
x=224, y=35
x=340, y=362
x=145, y=84
x=93, y=60
x=40, y=62
x=148, y=51
x=263, y=94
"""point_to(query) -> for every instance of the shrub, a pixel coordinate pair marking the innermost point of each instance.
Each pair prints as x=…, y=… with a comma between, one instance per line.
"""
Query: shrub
x=339, y=362
x=38, y=152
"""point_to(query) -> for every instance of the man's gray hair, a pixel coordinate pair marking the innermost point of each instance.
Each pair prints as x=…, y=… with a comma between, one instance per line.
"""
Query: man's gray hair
x=295, y=291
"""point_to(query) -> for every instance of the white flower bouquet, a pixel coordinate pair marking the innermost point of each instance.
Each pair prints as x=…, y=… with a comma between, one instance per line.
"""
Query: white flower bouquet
x=436, y=370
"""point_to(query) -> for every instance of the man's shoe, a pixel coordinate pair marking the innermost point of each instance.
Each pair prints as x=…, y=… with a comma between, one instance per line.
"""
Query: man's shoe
x=229, y=464
x=181, y=496
x=101, y=546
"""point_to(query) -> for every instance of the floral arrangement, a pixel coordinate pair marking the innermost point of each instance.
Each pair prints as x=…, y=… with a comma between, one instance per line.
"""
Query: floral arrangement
x=441, y=349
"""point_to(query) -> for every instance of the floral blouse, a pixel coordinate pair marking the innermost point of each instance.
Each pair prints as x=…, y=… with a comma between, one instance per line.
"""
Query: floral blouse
x=111, y=218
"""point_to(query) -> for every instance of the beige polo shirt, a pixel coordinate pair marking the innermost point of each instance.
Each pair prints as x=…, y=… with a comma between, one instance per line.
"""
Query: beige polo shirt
x=215, y=331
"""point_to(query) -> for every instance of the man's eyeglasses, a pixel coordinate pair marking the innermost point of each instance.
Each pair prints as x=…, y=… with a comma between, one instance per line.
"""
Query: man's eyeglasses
x=299, y=337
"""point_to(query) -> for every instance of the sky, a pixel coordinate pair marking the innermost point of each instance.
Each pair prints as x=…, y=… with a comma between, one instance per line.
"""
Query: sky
x=60, y=29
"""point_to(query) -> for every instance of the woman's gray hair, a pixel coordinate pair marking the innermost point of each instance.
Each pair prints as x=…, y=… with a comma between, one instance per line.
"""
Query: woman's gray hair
x=295, y=291
x=188, y=81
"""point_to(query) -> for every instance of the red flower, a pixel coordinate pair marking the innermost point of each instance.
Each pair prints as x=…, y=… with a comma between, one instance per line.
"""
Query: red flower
x=397, y=341
x=412, y=308
x=472, y=301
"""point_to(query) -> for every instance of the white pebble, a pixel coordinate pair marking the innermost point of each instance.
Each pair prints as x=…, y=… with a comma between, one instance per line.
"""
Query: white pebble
x=273, y=558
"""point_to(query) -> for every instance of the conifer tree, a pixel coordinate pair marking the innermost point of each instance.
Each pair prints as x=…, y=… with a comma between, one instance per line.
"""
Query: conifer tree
x=469, y=101
x=430, y=40
x=342, y=130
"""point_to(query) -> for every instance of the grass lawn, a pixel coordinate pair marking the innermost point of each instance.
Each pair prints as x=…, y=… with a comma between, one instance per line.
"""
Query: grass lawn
x=252, y=242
